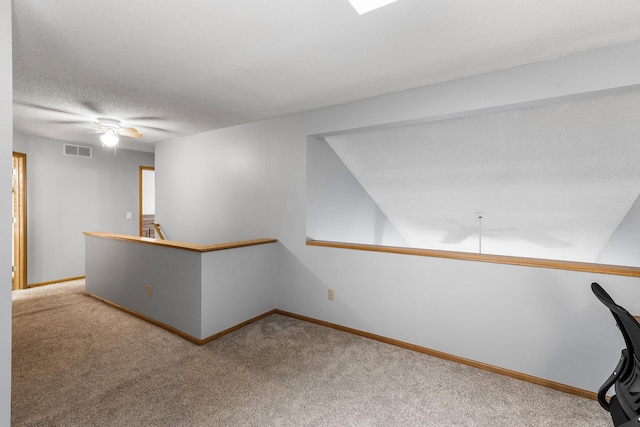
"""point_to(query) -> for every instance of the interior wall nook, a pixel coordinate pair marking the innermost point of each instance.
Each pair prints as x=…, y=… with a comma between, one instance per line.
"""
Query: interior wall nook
x=554, y=181
x=147, y=208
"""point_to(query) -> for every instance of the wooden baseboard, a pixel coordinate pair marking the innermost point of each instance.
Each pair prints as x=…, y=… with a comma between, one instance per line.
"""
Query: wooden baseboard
x=68, y=279
x=236, y=327
x=186, y=336
x=442, y=355
x=484, y=366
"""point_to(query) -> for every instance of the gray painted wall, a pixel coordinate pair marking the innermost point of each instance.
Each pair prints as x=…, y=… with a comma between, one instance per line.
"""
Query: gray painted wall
x=338, y=207
x=201, y=294
x=120, y=271
x=68, y=195
x=248, y=181
x=6, y=126
x=20, y=142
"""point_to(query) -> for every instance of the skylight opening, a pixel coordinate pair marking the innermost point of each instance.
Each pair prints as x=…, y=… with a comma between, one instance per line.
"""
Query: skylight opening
x=364, y=6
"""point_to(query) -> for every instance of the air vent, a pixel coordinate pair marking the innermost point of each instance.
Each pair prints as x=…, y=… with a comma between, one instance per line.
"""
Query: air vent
x=76, y=150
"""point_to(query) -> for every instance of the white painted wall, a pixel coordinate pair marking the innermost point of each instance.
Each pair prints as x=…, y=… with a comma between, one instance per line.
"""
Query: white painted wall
x=237, y=285
x=68, y=195
x=623, y=248
x=248, y=181
x=542, y=175
x=338, y=207
x=234, y=195
x=6, y=130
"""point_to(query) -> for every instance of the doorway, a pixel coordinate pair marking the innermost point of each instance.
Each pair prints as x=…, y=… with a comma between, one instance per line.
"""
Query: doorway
x=147, y=180
x=19, y=240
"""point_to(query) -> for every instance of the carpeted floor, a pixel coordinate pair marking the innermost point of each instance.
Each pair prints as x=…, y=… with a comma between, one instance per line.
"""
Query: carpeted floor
x=79, y=362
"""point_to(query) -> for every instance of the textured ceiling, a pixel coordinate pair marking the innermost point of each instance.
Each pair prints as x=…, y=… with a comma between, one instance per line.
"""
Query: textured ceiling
x=554, y=181
x=172, y=68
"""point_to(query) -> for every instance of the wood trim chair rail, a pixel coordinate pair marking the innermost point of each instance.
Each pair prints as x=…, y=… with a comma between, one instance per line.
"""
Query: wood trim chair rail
x=180, y=245
x=498, y=259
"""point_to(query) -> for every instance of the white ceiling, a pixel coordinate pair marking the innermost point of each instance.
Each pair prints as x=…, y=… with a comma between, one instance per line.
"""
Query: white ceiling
x=553, y=181
x=173, y=68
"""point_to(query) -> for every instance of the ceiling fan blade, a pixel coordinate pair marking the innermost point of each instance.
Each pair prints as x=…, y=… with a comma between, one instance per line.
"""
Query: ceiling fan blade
x=90, y=126
x=92, y=107
x=156, y=128
x=130, y=132
x=141, y=118
x=43, y=107
x=147, y=118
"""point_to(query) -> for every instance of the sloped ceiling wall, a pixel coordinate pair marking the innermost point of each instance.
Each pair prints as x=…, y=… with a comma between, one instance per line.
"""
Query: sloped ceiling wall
x=338, y=208
x=553, y=181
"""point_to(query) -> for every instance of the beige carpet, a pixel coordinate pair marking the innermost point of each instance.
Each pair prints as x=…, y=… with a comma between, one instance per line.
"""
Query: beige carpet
x=79, y=362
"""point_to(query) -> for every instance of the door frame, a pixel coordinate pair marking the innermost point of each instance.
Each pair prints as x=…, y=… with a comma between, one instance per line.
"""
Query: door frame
x=19, y=161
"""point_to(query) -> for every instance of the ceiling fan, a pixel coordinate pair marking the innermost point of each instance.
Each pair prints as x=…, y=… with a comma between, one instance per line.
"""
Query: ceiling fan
x=112, y=131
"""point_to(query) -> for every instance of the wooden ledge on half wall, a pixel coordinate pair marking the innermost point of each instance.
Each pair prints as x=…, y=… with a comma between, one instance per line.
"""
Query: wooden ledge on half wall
x=180, y=245
x=617, y=270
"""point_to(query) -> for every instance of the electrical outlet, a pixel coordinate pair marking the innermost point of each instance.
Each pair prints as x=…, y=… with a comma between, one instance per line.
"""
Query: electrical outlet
x=149, y=290
x=331, y=294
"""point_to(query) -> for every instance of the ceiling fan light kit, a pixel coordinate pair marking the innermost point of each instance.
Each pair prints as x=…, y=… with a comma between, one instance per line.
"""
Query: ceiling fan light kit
x=109, y=139
x=111, y=130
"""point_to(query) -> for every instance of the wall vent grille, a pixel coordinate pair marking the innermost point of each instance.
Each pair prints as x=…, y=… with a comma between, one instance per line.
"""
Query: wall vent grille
x=76, y=150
